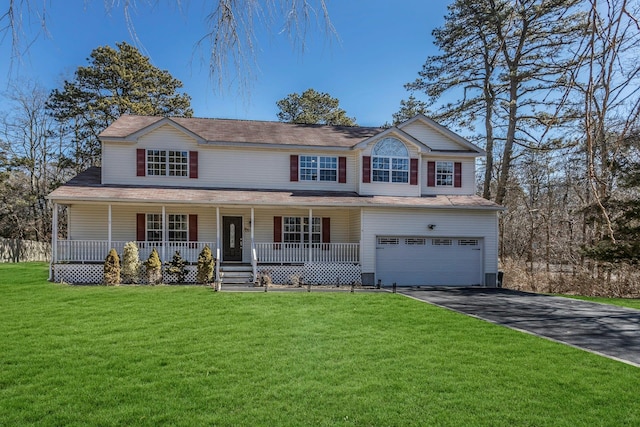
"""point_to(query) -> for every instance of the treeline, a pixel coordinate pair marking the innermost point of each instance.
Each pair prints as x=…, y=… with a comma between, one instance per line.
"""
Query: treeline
x=47, y=137
x=551, y=90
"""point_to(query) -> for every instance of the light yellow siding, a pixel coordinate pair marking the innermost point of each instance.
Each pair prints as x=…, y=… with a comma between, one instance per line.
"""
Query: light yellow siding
x=432, y=138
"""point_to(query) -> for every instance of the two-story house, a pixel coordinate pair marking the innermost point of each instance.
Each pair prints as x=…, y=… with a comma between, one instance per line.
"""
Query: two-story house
x=327, y=204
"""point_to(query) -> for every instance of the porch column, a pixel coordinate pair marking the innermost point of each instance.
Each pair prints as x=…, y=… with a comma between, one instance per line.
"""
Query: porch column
x=164, y=234
x=217, y=251
x=54, y=240
x=252, y=226
x=310, y=234
x=218, y=228
x=109, y=229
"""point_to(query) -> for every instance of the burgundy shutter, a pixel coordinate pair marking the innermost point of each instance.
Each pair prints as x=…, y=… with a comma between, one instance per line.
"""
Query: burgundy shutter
x=342, y=170
x=141, y=227
x=193, y=228
x=293, y=168
x=193, y=164
x=277, y=232
x=366, y=169
x=457, y=174
x=141, y=166
x=431, y=174
x=413, y=172
x=326, y=230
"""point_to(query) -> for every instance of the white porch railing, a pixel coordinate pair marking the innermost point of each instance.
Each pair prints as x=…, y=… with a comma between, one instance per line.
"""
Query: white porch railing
x=298, y=253
x=96, y=250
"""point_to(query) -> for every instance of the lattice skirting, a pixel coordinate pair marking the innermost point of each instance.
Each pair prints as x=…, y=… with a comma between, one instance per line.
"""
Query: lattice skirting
x=94, y=273
x=313, y=273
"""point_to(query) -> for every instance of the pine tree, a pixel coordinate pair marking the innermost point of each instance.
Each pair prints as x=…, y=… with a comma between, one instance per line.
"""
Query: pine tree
x=313, y=108
x=131, y=264
x=177, y=268
x=112, y=269
x=154, y=268
x=205, y=266
x=116, y=82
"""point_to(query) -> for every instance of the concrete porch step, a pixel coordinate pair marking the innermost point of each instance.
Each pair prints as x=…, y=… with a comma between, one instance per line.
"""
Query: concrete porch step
x=236, y=274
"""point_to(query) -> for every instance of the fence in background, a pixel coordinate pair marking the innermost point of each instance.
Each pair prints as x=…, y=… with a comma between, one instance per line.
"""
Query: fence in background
x=16, y=250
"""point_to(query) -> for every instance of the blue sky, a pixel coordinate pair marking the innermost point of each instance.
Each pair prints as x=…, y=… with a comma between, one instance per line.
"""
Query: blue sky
x=382, y=45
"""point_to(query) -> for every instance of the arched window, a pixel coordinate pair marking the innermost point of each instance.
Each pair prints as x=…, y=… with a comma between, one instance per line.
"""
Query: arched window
x=390, y=161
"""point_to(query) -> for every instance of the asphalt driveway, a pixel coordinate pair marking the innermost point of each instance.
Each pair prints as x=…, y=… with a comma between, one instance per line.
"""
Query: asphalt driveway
x=600, y=328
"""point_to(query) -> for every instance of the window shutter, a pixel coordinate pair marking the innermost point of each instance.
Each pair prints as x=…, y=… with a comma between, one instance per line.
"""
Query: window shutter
x=277, y=232
x=326, y=230
x=293, y=168
x=366, y=169
x=193, y=228
x=141, y=227
x=431, y=174
x=141, y=164
x=193, y=164
x=413, y=172
x=342, y=170
x=457, y=174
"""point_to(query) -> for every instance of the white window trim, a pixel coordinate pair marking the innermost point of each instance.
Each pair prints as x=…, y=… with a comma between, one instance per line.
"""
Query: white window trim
x=167, y=232
x=164, y=163
x=303, y=233
x=451, y=174
x=391, y=169
x=318, y=169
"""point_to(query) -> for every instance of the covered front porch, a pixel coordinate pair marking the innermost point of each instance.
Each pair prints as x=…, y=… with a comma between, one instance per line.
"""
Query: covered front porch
x=317, y=245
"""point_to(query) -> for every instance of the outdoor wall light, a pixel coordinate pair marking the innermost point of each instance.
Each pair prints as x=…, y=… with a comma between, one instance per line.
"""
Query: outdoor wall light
x=431, y=226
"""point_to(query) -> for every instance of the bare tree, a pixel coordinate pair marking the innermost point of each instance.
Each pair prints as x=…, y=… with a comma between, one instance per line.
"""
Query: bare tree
x=230, y=37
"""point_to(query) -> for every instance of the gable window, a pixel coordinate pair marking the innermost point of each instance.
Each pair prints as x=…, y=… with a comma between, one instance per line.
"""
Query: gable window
x=167, y=163
x=444, y=174
x=318, y=168
x=390, y=161
x=296, y=229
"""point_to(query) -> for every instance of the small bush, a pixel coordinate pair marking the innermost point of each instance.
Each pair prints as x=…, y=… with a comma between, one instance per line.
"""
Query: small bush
x=131, y=264
x=177, y=268
x=112, y=269
x=205, y=266
x=154, y=268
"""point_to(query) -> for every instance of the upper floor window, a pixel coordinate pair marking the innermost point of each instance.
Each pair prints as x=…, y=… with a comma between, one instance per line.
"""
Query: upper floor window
x=444, y=174
x=167, y=163
x=390, y=161
x=318, y=168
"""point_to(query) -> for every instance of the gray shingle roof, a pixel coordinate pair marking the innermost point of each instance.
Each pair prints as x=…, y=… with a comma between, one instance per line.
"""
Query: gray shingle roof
x=250, y=131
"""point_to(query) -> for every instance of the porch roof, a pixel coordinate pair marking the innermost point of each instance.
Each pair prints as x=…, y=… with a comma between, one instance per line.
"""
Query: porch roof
x=87, y=187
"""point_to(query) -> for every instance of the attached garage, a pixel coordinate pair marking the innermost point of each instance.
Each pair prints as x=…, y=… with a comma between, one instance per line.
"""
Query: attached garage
x=441, y=261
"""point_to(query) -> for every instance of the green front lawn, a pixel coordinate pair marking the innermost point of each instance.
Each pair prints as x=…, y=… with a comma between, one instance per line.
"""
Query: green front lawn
x=622, y=302
x=184, y=355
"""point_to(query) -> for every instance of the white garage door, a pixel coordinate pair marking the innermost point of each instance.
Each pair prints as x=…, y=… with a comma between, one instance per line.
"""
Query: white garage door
x=429, y=261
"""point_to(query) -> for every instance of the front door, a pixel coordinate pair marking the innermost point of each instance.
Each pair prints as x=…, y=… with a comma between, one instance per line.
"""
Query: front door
x=232, y=238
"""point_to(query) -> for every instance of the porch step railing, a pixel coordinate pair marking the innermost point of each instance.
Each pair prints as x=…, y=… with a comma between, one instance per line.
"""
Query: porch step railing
x=90, y=251
x=299, y=253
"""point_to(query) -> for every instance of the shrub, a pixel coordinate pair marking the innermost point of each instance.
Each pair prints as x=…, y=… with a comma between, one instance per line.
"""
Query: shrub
x=177, y=268
x=112, y=269
x=154, y=268
x=131, y=264
x=205, y=266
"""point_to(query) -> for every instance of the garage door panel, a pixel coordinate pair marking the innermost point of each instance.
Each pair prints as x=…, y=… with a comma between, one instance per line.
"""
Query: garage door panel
x=429, y=261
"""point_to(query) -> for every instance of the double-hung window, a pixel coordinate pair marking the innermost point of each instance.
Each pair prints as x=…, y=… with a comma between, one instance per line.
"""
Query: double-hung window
x=177, y=225
x=296, y=229
x=318, y=168
x=444, y=174
x=390, y=161
x=167, y=163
